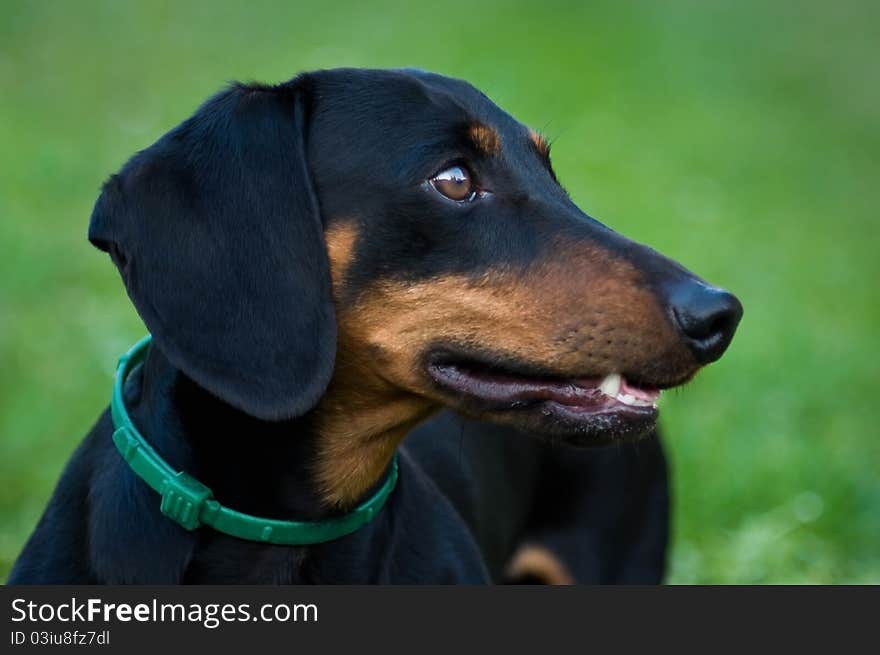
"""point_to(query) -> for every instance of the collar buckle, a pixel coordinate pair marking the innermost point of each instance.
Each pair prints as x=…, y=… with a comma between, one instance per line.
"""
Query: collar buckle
x=183, y=499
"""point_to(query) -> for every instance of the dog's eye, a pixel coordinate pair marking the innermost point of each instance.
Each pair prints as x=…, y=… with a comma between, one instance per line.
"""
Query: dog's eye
x=455, y=183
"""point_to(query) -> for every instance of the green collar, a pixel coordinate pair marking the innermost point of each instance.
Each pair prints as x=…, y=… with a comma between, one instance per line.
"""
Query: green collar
x=191, y=504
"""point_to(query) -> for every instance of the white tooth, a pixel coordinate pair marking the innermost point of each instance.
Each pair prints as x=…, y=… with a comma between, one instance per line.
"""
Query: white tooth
x=611, y=385
x=632, y=401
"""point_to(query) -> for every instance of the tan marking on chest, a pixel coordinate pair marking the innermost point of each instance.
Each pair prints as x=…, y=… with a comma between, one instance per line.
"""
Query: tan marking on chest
x=536, y=561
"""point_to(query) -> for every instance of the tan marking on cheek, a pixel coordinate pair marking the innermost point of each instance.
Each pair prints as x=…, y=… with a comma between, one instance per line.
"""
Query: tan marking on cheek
x=539, y=562
x=485, y=138
x=361, y=418
x=340, y=238
x=575, y=315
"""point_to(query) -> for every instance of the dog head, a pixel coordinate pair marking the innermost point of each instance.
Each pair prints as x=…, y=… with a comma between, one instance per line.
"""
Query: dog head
x=396, y=232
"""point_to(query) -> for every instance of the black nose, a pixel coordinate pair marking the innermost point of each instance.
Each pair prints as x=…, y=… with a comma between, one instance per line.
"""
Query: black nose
x=706, y=316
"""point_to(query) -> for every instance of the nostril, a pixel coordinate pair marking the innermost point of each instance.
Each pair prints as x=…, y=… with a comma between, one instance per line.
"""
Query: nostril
x=706, y=316
x=697, y=323
x=719, y=324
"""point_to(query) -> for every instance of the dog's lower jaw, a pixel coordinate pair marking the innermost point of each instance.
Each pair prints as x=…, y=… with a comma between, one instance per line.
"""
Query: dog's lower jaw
x=357, y=436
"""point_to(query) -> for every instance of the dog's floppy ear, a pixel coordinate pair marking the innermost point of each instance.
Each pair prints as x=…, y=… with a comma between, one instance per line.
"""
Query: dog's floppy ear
x=217, y=234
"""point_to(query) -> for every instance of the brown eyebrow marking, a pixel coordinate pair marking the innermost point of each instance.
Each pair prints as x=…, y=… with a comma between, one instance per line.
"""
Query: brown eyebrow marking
x=485, y=138
x=541, y=144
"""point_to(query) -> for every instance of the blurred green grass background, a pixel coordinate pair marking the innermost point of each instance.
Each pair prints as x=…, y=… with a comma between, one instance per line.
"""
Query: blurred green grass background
x=741, y=138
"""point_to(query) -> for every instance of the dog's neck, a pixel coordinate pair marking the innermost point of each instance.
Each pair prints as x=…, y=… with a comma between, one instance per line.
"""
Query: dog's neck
x=359, y=423
x=252, y=466
x=308, y=468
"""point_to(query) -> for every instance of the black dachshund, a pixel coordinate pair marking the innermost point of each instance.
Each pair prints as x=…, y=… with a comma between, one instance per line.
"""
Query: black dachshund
x=323, y=265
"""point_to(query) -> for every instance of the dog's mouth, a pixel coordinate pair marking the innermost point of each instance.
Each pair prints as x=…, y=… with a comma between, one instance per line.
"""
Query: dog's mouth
x=584, y=410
